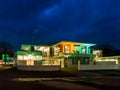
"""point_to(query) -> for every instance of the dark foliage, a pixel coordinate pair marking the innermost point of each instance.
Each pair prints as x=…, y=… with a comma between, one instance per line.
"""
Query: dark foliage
x=107, y=49
x=6, y=48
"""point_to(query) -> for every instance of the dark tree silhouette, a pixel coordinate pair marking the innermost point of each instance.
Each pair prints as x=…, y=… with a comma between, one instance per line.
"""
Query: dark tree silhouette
x=6, y=48
x=107, y=49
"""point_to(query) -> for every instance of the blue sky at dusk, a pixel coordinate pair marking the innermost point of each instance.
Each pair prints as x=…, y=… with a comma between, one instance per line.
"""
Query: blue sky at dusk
x=90, y=21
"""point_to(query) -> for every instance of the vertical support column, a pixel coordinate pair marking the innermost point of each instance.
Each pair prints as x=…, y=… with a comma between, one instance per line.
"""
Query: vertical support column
x=3, y=56
x=80, y=50
x=88, y=49
x=71, y=48
x=62, y=63
x=7, y=56
x=116, y=60
x=62, y=48
x=78, y=64
x=51, y=51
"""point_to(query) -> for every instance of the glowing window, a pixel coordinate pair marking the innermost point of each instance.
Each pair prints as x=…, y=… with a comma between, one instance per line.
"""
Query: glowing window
x=29, y=62
x=83, y=51
x=67, y=49
x=20, y=58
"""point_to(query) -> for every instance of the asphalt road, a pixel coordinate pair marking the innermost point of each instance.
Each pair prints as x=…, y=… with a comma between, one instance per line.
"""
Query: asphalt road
x=77, y=83
x=12, y=79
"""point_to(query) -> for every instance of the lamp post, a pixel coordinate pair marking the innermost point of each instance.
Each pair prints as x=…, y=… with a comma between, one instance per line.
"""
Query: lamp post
x=33, y=34
x=32, y=38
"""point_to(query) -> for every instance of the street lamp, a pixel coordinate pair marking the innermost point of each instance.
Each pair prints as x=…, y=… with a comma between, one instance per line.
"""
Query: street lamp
x=33, y=33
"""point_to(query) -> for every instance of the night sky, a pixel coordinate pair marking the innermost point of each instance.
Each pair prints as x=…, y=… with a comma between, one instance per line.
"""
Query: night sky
x=90, y=21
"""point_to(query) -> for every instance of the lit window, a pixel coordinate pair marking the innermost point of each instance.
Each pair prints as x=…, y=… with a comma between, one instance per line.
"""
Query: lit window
x=20, y=58
x=67, y=49
x=83, y=50
x=29, y=62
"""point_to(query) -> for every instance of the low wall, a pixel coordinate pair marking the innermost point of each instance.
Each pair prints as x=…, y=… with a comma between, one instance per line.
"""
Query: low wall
x=95, y=67
x=98, y=67
x=39, y=68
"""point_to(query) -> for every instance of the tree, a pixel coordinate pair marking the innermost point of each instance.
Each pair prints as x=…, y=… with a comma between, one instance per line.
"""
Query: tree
x=6, y=48
x=107, y=49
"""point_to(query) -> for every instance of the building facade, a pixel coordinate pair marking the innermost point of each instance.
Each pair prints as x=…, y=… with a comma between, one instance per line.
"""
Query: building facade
x=63, y=54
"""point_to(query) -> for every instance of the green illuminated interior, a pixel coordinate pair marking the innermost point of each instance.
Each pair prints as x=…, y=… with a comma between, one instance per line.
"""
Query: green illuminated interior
x=86, y=47
x=25, y=53
x=5, y=57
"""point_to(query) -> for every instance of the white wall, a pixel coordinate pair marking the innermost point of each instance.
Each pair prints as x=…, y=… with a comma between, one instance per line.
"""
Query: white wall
x=39, y=68
x=98, y=67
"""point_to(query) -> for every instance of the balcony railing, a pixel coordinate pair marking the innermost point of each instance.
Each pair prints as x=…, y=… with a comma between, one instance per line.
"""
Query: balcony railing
x=76, y=55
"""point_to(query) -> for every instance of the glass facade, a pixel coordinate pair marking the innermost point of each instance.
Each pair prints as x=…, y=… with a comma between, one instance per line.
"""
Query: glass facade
x=70, y=52
x=83, y=60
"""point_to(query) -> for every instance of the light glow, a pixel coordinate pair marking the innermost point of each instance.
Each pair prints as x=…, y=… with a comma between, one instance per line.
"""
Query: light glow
x=29, y=62
x=106, y=60
x=20, y=57
x=41, y=48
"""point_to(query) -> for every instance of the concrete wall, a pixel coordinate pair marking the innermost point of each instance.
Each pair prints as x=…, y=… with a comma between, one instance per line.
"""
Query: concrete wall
x=98, y=67
x=95, y=67
x=38, y=68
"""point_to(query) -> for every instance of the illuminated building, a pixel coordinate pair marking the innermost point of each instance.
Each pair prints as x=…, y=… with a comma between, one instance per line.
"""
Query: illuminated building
x=72, y=52
x=62, y=54
x=65, y=54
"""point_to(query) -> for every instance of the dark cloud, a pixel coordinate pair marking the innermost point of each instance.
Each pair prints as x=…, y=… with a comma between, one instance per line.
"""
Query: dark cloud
x=84, y=20
x=94, y=21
